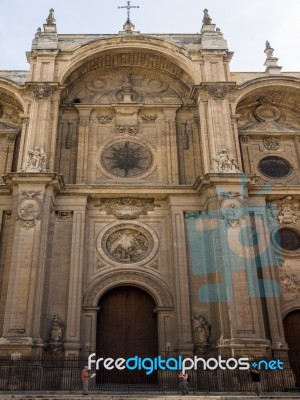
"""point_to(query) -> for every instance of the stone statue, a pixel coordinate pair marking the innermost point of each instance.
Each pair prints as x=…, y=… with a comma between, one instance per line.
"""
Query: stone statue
x=226, y=162
x=37, y=160
x=57, y=329
x=206, y=18
x=268, y=45
x=51, y=18
x=201, y=332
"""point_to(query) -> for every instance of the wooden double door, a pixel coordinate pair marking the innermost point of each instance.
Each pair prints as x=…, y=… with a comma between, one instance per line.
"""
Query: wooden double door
x=127, y=327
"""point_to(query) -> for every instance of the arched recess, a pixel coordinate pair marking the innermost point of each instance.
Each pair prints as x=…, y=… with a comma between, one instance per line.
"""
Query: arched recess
x=11, y=108
x=268, y=122
x=169, y=52
x=157, y=289
x=291, y=326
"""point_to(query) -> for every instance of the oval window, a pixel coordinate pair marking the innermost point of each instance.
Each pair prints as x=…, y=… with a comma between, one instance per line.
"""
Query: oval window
x=275, y=167
x=288, y=239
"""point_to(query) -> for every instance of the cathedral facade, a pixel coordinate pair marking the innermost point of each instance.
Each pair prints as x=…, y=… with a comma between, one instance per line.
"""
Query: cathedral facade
x=149, y=198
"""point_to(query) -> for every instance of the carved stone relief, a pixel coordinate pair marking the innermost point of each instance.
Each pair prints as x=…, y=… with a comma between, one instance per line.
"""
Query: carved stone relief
x=272, y=143
x=41, y=92
x=290, y=282
x=64, y=216
x=149, y=118
x=201, y=332
x=127, y=130
x=10, y=110
x=226, y=163
x=29, y=209
x=232, y=211
x=127, y=207
x=244, y=138
x=287, y=210
x=127, y=243
x=36, y=160
x=7, y=214
x=104, y=119
x=217, y=92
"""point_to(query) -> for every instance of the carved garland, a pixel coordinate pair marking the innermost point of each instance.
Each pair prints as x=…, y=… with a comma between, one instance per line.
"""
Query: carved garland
x=162, y=292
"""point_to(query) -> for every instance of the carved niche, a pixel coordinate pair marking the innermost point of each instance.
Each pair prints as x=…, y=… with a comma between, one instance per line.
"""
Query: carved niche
x=127, y=207
x=201, y=332
x=29, y=209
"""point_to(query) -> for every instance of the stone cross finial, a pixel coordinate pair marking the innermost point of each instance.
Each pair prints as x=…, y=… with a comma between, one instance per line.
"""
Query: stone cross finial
x=206, y=18
x=51, y=19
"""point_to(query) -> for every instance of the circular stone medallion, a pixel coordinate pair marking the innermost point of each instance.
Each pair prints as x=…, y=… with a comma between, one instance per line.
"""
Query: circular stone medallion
x=29, y=209
x=128, y=243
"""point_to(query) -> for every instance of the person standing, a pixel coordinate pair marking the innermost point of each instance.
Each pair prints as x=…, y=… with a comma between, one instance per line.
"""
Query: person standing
x=255, y=376
x=85, y=377
x=183, y=383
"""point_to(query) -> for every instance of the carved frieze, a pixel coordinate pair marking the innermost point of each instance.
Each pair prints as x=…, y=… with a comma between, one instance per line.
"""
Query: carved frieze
x=217, y=91
x=104, y=119
x=130, y=130
x=29, y=209
x=41, y=92
x=127, y=207
x=287, y=210
x=226, y=163
x=272, y=143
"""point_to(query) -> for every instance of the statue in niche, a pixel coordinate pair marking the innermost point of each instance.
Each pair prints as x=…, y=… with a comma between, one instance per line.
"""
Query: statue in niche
x=201, y=332
x=58, y=328
x=37, y=160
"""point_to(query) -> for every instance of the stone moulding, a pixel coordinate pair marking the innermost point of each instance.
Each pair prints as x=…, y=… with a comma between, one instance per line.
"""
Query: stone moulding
x=154, y=286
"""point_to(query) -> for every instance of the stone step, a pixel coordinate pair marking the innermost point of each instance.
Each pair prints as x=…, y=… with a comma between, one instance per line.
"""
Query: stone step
x=96, y=396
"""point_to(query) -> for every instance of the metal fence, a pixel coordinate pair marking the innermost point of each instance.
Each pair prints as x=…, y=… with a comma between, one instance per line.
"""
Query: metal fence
x=64, y=374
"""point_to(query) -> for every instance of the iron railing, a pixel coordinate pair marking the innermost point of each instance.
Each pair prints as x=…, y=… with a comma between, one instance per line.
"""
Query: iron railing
x=64, y=374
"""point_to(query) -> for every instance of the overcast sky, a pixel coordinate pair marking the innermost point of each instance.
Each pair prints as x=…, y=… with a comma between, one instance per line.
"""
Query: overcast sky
x=246, y=25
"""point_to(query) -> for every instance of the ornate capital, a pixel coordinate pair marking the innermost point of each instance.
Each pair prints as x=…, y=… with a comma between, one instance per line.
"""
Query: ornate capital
x=217, y=91
x=244, y=138
x=41, y=92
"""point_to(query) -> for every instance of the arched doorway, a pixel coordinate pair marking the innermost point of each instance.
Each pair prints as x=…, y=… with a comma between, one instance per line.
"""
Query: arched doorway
x=127, y=327
x=291, y=325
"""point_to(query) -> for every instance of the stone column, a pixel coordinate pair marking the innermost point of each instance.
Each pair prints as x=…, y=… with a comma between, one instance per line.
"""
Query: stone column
x=171, y=146
x=83, y=142
x=73, y=332
x=89, y=328
x=182, y=301
x=31, y=206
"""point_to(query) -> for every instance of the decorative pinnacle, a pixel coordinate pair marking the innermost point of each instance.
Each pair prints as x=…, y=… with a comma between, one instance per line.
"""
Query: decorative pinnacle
x=51, y=19
x=268, y=45
x=206, y=18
